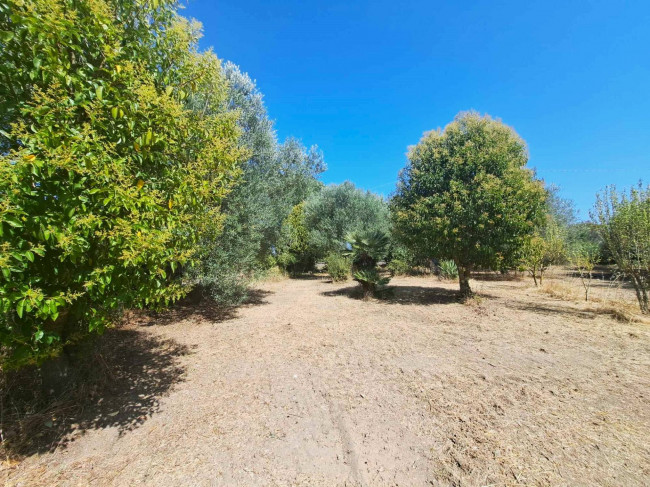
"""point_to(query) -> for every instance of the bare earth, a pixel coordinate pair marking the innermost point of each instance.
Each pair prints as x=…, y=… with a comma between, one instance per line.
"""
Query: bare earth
x=309, y=386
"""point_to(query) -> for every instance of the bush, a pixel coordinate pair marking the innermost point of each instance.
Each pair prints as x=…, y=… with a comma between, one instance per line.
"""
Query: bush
x=448, y=269
x=338, y=267
x=584, y=258
x=294, y=254
x=624, y=224
x=108, y=177
x=399, y=267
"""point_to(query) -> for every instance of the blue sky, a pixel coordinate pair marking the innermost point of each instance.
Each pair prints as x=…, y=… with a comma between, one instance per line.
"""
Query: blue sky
x=363, y=80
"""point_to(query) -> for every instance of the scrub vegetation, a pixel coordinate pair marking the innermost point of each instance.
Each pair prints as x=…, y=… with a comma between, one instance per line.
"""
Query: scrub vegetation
x=142, y=182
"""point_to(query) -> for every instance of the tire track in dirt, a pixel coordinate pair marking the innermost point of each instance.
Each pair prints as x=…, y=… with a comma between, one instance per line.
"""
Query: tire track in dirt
x=348, y=446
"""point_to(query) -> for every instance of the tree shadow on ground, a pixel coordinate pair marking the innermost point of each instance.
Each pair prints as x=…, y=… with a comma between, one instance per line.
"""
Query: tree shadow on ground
x=549, y=309
x=309, y=277
x=196, y=305
x=403, y=294
x=118, y=385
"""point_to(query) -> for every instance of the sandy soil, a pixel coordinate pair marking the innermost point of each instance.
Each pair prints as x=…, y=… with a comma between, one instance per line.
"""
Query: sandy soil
x=309, y=386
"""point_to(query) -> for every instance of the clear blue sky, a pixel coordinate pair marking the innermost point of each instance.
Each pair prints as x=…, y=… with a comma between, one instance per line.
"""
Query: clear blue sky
x=364, y=80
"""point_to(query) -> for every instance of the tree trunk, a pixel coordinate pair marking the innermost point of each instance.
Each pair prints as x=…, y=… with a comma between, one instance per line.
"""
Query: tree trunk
x=368, y=290
x=641, y=293
x=463, y=280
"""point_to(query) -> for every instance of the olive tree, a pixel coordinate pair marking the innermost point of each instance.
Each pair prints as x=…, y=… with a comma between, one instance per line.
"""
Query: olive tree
x=338, y=210
x=274, y=179
x=467, y=195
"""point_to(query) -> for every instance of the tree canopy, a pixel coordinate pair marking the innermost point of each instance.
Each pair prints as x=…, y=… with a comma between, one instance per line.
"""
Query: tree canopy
x=118, y=148
x=467, y=195
x=339, y=210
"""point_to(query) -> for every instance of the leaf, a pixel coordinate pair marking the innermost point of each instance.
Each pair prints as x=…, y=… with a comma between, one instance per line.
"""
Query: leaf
x=38, y=335
x=99, y=91
x=114, y=112
x=170, y=204
x=19, y=308
x=6, y=35
x=29, y=255
x=12, y=222
x=169, y=90
x=140, y=183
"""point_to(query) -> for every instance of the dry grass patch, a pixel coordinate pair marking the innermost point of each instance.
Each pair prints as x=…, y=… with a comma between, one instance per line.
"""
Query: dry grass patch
x=620, y=309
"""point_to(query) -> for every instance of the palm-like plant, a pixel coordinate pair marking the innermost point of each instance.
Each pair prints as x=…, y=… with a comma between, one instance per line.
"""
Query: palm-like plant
x=366, y=249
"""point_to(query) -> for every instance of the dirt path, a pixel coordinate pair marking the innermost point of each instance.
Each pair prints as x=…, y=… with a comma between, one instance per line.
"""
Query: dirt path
x=309, y=386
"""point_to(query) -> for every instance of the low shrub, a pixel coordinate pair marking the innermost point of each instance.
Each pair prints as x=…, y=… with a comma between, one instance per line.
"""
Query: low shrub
x=338, y=267
x=448, y=269
x=399, y=267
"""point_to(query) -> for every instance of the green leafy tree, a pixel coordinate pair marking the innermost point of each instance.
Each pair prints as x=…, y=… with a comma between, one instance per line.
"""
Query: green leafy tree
x=623, y=221
x=108, y=176
x=339, y=210
x=274, y=179
x=584, y=258
x=294, y=253
x=546, y=247
x=466, y=195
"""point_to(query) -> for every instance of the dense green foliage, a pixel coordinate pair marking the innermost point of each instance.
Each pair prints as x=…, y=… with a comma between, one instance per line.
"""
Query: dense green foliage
x=466, y=195
x=623, y=221
x=339, y=210
x=448, y=269
x=547, y=246
x=338, y=267
x=275, y=179
x=294, y=253
x=327, y=216
x=402, y=260
x=109, y=176
x=366, y=250
x=399, y=267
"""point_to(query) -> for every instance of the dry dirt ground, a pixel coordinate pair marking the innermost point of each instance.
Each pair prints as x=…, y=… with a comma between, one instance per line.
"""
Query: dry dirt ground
x=308, y=385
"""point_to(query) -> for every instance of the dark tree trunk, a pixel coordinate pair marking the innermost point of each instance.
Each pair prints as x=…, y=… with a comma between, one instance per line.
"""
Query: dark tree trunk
x=641, y=293
x=463, y=279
